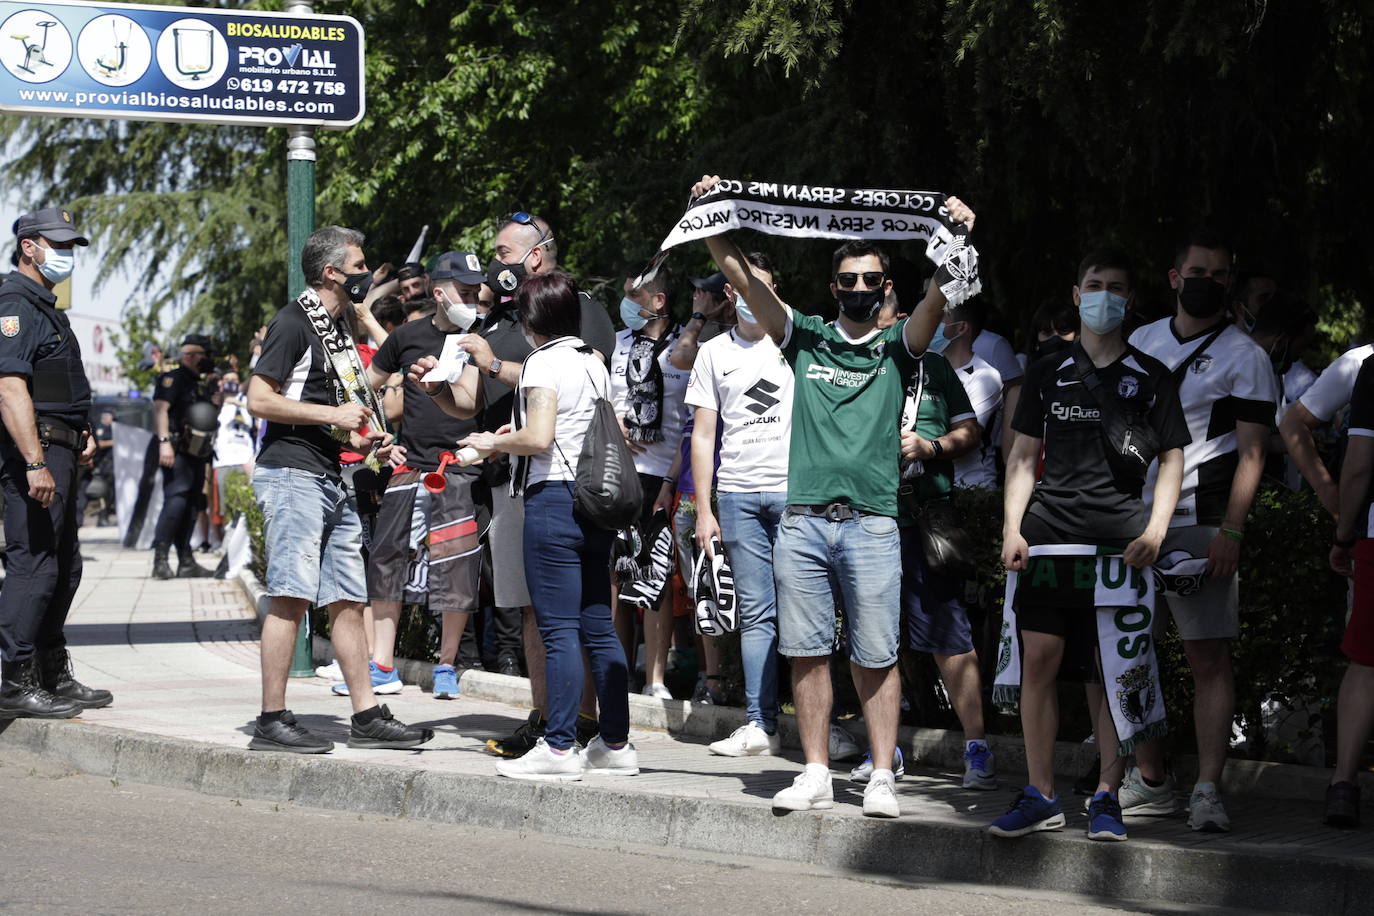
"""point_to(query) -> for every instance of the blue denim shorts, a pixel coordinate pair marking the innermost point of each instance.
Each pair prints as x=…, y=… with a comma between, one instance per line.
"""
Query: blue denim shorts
x=312, y=536
x=854, y=564
x=935, y=619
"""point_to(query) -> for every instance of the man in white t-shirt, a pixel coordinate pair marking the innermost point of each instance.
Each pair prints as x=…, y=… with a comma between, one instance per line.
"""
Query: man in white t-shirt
x=954, y=340
x=742, y=383
x=997, y=351
x=234, y=439
x=1227, y=387
x=1318, y=406
x=647, y=391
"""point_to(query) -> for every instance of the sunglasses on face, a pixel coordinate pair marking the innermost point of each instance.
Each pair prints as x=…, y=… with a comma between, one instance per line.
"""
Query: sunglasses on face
x=872, y=279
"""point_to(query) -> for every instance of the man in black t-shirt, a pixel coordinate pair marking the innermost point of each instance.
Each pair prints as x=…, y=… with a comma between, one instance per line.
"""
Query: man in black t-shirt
x=1059, y=532
x=411, y=515
x=310, y=528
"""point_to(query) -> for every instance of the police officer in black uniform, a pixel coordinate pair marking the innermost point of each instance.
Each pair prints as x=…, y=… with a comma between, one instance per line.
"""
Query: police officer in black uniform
x=45, y=402
x=184, y=452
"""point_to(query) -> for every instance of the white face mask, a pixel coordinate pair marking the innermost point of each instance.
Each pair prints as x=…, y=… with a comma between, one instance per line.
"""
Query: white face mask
x=57, y=265
x=460, y=313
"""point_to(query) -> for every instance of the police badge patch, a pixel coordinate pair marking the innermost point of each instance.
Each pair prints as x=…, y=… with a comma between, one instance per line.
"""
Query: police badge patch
x=9, y=325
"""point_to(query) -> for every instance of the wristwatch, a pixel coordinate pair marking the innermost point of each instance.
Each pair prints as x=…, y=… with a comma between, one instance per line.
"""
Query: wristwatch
x=699, y=316
x=495, y=368
x=164, y=438
x=938, y=448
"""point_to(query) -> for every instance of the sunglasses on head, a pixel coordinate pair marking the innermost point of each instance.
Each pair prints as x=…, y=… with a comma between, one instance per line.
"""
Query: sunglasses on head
x=527, y=219
x=872, y=279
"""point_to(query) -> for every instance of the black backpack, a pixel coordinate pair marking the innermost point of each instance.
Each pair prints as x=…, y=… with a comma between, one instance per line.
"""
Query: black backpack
x=607, y=490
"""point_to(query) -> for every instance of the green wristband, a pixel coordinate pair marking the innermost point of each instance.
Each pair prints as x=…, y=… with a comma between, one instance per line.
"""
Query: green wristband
x=1233, y=534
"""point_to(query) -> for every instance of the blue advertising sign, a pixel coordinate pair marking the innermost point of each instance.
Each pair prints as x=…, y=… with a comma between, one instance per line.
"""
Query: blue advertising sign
x=167, y=63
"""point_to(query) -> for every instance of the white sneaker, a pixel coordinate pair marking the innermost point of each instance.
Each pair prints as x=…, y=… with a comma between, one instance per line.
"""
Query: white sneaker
x=864, y=770
x=541, y=764
x=1205, y=810
x=880, y=796
x=809, y=791
x=659, y=691
x=330, y=672
x=842, y=745
x=749, y=740
x=1139, y=797
x=606, y=761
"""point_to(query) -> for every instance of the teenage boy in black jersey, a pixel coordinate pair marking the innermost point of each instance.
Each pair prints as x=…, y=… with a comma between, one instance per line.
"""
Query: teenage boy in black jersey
x=1060, y=533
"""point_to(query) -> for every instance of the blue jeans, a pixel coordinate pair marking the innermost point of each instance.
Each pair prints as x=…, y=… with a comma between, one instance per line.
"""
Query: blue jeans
x=749, y=529
x=567, y=569
x=855, y=564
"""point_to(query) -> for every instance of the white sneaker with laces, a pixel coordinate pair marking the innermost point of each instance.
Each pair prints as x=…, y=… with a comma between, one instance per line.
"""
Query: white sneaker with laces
x=608, y=761
x=880, y=795
x=330, y=672
x=842, y=745
x=1205, y=811
x=542, y=764
x=659, y=691
x=1139, y=797
x=809, y=791
x=749, y=740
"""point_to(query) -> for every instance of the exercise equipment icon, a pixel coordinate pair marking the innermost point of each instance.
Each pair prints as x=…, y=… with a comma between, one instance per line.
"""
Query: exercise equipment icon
x=195, y=51
x=33, y=51
x=109, y=65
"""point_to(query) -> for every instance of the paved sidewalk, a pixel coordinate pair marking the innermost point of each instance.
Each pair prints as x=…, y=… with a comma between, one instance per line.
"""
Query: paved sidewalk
x=181, y=658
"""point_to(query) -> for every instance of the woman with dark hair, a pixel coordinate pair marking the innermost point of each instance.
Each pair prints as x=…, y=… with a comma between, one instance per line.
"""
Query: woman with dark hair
x=567, y=557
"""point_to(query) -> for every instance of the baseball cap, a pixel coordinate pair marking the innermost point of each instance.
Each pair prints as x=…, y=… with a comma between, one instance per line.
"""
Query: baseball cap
x=53, y=223
x=463, y=266
x=714, y=284
x=410, y=271
x=198, y=340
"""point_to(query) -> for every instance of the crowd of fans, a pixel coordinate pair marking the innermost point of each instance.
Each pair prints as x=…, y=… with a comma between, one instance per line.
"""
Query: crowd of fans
x=799, y=483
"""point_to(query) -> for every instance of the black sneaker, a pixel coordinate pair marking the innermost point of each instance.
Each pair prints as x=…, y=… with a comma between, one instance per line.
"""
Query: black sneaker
x=1343, y=804
x=283, y=734
x=587, y=729
x=509, y=667
x=522, y=740
x=386, y=732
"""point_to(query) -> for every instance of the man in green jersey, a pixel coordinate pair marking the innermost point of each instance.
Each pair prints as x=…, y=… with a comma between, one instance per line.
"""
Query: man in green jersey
x=838, y=542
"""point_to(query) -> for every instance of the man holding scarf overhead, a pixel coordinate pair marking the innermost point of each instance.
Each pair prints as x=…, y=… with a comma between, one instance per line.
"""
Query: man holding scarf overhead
x=840, y=522
x=311, y=388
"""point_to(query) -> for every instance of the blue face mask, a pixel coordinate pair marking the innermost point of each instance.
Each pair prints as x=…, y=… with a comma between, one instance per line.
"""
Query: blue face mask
x=629, y=313
x=742, y=310
x=1102, y=311
x=939, y=341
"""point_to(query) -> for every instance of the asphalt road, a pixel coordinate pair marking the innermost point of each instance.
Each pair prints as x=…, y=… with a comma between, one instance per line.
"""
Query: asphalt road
x=73, y=843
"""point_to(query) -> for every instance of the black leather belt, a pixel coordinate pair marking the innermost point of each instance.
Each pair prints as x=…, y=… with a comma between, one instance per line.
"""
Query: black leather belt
x=835, y=512
x=51, y=432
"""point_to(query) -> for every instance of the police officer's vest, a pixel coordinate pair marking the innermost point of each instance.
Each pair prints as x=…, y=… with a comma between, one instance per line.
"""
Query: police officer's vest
x=59, y=385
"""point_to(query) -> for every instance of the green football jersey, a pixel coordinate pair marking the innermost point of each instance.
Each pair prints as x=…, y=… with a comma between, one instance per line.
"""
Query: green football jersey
x=846, y=410
x=944, y=402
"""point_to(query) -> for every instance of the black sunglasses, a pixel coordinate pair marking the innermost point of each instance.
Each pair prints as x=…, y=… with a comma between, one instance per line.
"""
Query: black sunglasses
x=872, y=279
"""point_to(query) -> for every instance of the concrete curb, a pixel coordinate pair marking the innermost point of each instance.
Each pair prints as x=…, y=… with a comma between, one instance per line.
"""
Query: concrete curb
x=904, y=848
x=930, y=747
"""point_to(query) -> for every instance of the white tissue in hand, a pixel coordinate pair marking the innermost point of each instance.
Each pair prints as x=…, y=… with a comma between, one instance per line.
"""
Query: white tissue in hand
x=451, y=362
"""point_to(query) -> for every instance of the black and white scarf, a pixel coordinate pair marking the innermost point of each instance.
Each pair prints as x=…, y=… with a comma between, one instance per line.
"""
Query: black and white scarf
x=820, y=212
x=343, y=357
x=644, y=387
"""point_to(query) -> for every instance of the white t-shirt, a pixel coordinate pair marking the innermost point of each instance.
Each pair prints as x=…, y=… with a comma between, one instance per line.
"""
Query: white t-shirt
x=1332, y=389
x=1296, y=381
x=749, y=384
x=658, y=458
x=997, y=352
x=1231, y=380
x=577, y=379
x=234, y=439
x=983, y=385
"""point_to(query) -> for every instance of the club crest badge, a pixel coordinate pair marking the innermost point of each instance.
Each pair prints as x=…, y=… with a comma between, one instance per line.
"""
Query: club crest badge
x=1136, y=697
x=506, y=279
x=9, y=325
x=1128, y=387
x=474, y=264
x=1202, y=364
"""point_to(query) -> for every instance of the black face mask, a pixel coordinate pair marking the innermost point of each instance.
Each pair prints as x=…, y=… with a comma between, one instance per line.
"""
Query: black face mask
x=860, y=304
x=504, y=279
x=1202, y=297
x=1055, y=344
x=357, y=285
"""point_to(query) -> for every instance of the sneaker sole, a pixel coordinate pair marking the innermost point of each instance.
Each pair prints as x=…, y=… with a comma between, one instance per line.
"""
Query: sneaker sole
x=1209, y=827
x=894, y=811
x=1054, y=822
x=445, y=696
x=612, y=771
x=378, y=744
x=725, y=752
x=980, y=783
x=34, y=715
x=1107, y=835
x=820, y=805
x=542, y=777
x=266, y=744
x=1152, y=809
x=391, y=688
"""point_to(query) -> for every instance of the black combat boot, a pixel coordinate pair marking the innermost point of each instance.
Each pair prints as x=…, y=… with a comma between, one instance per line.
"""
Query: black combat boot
x=161, y=568
x=23, y=697
x=55, y=675
x=188, y=568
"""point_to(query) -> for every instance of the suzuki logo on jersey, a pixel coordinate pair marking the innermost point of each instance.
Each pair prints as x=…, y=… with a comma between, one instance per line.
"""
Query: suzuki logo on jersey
x=1128, y=387
x=1072, y=412
x=762, y=396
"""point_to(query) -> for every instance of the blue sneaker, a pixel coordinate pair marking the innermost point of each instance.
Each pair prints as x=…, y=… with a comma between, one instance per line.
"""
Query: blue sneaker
x=1030, y=812
x=980, y=769
x=445, y=682
x=1104, y=818
x=383, y=682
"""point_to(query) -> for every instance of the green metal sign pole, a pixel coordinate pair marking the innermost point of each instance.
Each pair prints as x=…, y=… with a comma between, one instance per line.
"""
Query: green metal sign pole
x=300, y=223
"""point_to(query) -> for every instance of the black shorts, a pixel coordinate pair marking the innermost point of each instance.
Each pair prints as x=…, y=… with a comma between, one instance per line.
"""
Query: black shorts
x=1077, y=627
x=650, y=484
x=450, y=529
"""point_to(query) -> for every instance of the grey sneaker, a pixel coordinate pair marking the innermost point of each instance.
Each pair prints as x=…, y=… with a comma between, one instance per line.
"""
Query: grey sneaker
x=864, y=771
x=1139, y=798
x=980, y=766
x=1205, y=811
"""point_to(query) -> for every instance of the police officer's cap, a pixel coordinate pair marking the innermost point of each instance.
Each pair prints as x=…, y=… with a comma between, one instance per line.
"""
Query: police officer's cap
x=463, y=266
x=198, y=340
x=53, y=223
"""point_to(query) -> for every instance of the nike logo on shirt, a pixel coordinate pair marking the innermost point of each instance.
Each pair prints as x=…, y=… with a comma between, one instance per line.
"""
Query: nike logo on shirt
x=1063, y=384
